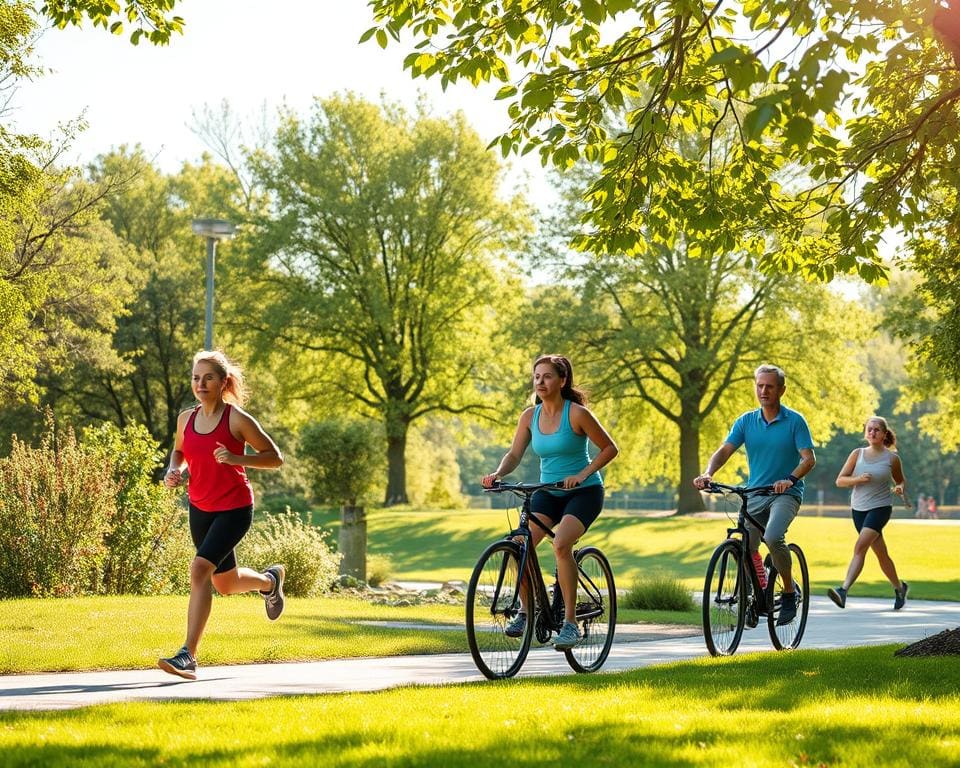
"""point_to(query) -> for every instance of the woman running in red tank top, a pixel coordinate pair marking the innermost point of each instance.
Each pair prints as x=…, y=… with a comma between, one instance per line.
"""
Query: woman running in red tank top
x=210, y=444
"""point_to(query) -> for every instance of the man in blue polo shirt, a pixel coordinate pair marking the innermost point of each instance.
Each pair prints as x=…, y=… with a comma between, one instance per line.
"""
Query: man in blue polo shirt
x=779, y=453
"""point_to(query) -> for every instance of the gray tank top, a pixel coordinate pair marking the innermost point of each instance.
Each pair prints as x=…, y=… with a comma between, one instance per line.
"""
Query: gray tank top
x=876, y=493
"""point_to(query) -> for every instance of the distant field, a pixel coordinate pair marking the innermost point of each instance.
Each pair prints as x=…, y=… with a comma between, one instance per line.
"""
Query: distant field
x=439, y=545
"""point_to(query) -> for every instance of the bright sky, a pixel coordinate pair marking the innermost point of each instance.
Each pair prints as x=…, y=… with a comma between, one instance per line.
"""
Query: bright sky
x=246, y=51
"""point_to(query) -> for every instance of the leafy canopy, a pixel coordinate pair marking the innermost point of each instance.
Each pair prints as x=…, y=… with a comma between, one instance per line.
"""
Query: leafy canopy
x=150, y=19
x=858, y=97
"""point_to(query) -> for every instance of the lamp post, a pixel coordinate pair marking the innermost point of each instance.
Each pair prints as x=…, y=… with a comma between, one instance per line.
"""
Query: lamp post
x=212, y=230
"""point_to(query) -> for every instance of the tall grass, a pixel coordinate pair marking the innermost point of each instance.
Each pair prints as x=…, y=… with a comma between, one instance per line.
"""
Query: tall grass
x=658, y=592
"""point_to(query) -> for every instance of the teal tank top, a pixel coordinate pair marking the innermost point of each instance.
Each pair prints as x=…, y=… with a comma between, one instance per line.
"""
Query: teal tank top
x=562, y=453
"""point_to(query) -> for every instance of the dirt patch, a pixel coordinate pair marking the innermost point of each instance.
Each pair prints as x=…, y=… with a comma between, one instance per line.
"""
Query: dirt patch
x=946, y=643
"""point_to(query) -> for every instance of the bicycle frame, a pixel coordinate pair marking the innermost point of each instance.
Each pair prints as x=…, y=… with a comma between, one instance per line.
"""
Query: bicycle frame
x=492, y=609
x=529, y=563
x=744, y=534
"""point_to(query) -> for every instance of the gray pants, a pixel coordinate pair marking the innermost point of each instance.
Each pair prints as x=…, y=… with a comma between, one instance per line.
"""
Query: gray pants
x=774, y=513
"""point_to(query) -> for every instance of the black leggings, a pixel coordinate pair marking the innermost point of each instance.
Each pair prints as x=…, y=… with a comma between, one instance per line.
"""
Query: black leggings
x=215, y=534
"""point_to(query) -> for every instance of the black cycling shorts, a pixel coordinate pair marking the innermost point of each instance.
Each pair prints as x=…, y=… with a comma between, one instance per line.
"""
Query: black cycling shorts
x=215, y=534
x=584, y=503
x=874, y=519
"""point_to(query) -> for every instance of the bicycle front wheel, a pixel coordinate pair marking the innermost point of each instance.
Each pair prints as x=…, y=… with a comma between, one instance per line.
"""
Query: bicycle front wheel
x=596, y=611
x=494, y=598
x=786, y=637
x=724, y=600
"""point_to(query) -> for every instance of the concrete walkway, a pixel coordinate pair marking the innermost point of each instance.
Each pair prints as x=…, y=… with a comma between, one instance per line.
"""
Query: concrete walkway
x=864, y=622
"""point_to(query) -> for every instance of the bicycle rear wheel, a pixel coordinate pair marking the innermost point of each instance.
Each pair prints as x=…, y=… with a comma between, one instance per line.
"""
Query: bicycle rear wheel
x=493, y=602
x=596, y=611
x=724, y=600
x=786, y=637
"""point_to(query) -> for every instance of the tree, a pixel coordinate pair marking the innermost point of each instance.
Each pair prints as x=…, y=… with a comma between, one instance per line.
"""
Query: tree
x=384, y=256
x=63, y=278
x=345, y=464
x=670, y=341
x=860, y=93
x=161, y=323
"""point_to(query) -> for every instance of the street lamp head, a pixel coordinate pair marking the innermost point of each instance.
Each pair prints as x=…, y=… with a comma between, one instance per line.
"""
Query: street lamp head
x=215, y=228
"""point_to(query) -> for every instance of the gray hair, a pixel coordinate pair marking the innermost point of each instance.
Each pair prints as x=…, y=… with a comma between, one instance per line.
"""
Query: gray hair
x=765, y=368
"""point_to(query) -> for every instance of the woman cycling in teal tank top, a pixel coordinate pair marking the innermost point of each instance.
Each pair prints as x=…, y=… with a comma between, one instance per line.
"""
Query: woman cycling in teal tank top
x=558, y=426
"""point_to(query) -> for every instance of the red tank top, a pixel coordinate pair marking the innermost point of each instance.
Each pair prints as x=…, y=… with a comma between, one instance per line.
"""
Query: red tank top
x=214, y=487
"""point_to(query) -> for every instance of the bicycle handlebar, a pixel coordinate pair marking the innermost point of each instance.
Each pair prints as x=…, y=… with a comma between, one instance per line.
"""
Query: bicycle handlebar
x=524, y=489
x=740, y=490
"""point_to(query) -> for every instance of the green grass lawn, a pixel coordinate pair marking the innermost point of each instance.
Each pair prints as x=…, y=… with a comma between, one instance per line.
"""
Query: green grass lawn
x=132, y=632
x=854, y=707
x=436, y=545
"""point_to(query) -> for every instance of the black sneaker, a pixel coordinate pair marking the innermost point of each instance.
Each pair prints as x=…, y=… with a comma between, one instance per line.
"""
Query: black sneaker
x=274, y=598
x=181, y=664
x=838, y=595
x=900, y=595
x=788, y=608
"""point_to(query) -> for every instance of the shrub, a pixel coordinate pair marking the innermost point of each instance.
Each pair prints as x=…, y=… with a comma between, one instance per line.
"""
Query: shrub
x=658, y=593
x=311, y=563
x=379, y=569
x=147, y=534
x=56, y=506
x=85, y=516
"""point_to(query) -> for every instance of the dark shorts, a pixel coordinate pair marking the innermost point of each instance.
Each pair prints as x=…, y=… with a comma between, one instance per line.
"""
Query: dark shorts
x=874, y=519
x=584, y=504
x=215, y=534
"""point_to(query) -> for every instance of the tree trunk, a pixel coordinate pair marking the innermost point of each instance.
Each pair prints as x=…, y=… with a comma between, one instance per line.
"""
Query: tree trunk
x=396, y=469
x=352, y=541
x=689, y=498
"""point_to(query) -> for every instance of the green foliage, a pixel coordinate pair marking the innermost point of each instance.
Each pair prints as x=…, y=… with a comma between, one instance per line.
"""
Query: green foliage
x=382, y=263
x=160, y=324
x=56, y=507
x=344, y=460
x=658, y=592
x=63, y=275
x=668, y=340
x=17, y=30
x=87, y=517
x=148, y=544
x=860, y=95
x=379, y=569
x=433, y=472
x=151, y=19
x=283, y=537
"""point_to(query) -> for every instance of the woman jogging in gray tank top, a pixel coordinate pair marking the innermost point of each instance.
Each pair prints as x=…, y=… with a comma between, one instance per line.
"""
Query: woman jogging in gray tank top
x=869, y=472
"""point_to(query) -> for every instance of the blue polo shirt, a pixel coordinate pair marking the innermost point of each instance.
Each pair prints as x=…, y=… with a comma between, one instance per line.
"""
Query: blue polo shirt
x=773, y=449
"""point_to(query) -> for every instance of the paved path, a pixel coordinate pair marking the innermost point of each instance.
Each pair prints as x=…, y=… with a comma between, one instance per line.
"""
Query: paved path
x=864, y=622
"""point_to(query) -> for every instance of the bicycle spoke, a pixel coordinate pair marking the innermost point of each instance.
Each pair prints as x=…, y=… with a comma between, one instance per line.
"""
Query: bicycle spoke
x=722, y=600
x=492, y=604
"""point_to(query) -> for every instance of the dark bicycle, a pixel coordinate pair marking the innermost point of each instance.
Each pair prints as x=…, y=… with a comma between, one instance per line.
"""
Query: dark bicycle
x=508, y=575
x=732, y=596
